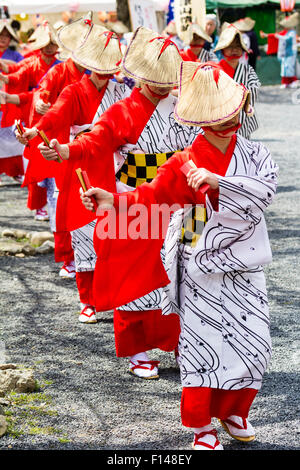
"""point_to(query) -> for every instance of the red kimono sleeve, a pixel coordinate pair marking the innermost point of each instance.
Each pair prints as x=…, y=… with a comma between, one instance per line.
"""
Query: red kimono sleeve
x=94, y=152
x=129, y=268
x=64, y=106
x=20, y=81
x=51, y=123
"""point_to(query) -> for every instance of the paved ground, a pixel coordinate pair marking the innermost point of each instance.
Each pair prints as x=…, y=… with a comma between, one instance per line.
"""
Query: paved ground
x=86, y=398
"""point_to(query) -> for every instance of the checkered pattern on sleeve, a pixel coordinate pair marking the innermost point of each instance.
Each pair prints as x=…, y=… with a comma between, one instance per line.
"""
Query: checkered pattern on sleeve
x=140, y=168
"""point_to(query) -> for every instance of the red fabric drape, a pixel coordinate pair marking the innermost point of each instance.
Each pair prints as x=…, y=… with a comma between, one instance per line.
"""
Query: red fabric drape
x=139, y=331
x=84, y=282
x=12, y=166
x=200, y=404
x=37, y=197
x=63, y=251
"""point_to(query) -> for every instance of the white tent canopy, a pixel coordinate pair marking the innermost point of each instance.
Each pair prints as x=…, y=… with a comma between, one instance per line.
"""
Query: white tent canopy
x=55, y=6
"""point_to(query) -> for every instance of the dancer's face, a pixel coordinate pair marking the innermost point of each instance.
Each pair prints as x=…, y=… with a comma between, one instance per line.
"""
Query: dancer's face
x=5, y=39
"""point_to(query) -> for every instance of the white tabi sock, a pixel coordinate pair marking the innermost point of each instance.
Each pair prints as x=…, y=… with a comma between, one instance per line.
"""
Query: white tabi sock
x=208, y=427
x=142, y=356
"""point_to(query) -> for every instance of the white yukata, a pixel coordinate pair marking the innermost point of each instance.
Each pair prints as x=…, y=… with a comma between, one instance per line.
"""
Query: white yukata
x=246, y=75
x=218, y=287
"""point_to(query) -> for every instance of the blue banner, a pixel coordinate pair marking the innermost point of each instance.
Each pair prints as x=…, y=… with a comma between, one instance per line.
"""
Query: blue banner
x=170, y=14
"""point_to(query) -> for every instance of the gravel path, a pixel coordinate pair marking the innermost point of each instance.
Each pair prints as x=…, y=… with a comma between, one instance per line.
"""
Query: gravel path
x=86, y=398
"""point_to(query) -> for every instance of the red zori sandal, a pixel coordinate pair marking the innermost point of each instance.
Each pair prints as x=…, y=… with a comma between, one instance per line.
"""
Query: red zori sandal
x=144, y=369
x=239, y=428
x=88, y=315
x=207, y=440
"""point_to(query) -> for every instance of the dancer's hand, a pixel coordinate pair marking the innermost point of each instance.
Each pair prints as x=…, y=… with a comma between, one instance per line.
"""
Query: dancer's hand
x=4, y=78
x=198, y=176
x=26, y=136
x=104, y=199
x=51, y=153
x=42, y=107
x=3, y=66
x=2, y=97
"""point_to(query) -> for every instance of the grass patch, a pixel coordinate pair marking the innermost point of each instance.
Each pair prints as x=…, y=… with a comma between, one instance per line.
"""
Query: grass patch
x=28, y=414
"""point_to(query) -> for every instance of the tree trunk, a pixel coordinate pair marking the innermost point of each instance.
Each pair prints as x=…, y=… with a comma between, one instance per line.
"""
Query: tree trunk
x=123, y=12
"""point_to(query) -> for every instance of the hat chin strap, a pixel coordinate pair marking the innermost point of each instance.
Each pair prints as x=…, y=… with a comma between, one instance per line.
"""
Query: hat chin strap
x=49, y=55
x=196, y=46
x=232, y=57
x=223, y=134
x=156, y=95
x=103, y=76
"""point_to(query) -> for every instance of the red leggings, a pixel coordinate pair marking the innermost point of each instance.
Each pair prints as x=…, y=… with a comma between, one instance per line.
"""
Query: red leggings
x=12, y=166
x=141, y=331
x=37, y=197
x=63, y=250
x=200, y=404
x=288, y=80
x=84, y=282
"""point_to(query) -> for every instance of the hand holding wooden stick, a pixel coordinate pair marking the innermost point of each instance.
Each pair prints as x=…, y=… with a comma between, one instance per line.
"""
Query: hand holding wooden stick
x=47, y=142
x=85, y=184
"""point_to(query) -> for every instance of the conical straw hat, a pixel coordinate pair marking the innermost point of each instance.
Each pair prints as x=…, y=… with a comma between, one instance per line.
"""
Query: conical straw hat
x=171, y=28
x=195, y=28
x=42, y=36
x=244, y=25
x=72, y=35
x=5, y=23
x=208, y=96
x=227, y=36
x=100, y=51
x=151, y=59
x=290, y=21
x=117, y=27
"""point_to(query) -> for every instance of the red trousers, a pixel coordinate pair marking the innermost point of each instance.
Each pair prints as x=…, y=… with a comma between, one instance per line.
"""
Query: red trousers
x=200, y=404
x=288, y=80
x=12, y=166
x=37, y=197
x=63, y=250
x=140, y=331
x=84, y=281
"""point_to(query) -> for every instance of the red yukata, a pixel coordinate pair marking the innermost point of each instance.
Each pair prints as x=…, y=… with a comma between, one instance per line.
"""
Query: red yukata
x=55, y=80
x=77, y=103
x=24, y=78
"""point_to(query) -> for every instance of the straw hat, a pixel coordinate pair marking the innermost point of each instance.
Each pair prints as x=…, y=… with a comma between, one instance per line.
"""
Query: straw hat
x=244, y=25
x=227, y=36
x=73, y=34
x=100, y=51
x=171, y=28
x=195, y=28
x=42, y=36
x=117, y=27
x=290, y=21
x=151, y=59
x=208, y=96
x=5, y=23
